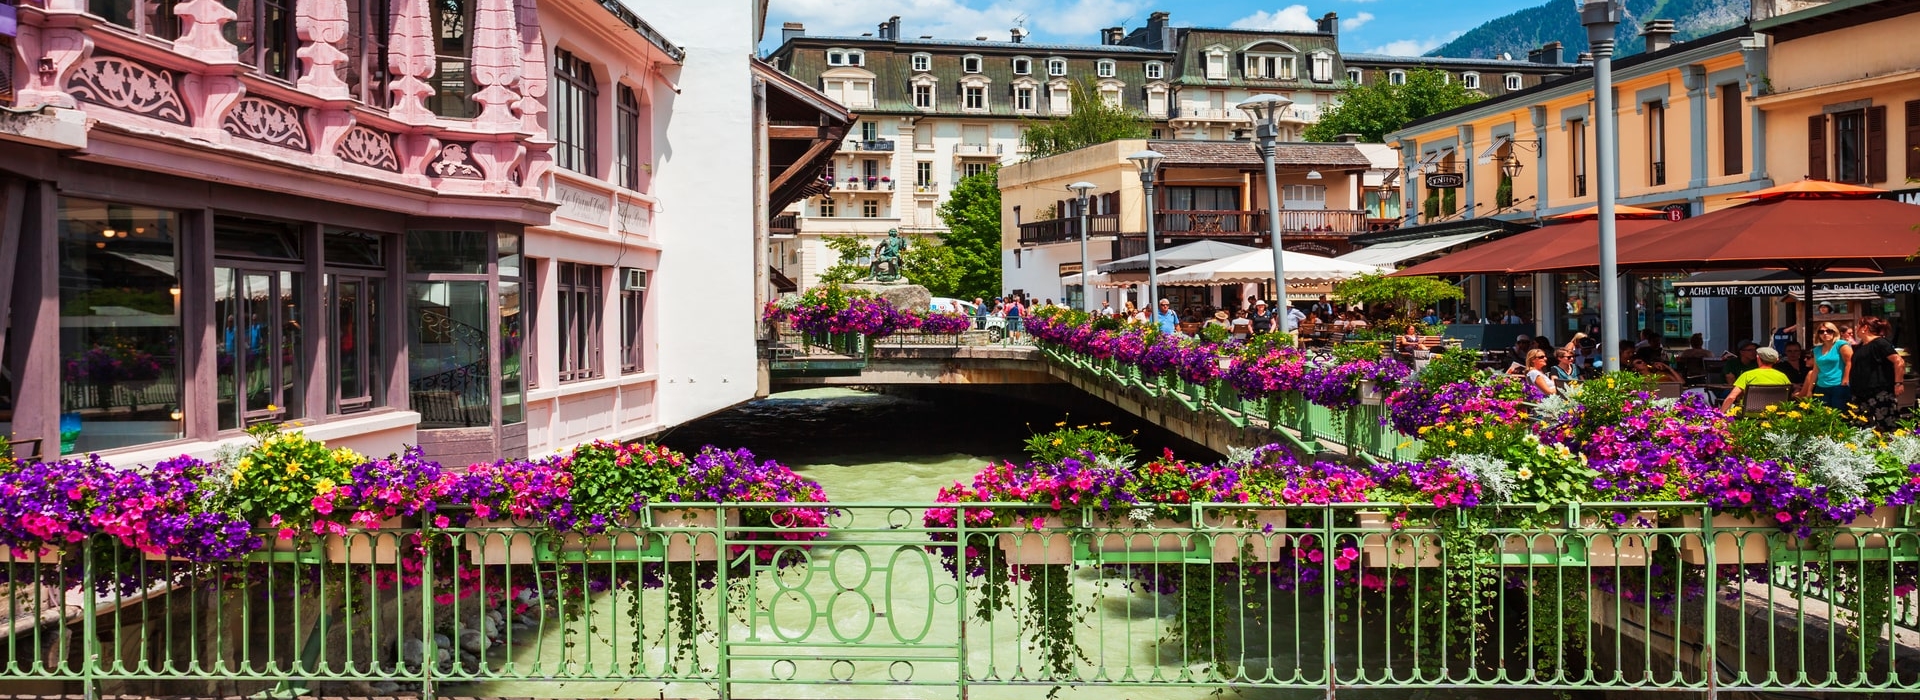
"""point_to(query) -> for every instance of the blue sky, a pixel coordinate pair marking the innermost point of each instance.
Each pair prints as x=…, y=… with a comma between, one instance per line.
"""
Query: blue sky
x=1405, y=27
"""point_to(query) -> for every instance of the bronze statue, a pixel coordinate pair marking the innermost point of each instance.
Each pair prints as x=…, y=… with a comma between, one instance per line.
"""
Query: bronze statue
x=886, y=258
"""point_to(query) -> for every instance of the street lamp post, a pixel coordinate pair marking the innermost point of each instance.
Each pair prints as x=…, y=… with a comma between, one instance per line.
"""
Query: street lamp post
x=1266, y=111
x=1086, y=268
x=1600, y=17
x=1148, y=162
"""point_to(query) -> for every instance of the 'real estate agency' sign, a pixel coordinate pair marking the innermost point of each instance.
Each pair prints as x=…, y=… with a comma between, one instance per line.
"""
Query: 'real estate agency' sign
x=1882, y=288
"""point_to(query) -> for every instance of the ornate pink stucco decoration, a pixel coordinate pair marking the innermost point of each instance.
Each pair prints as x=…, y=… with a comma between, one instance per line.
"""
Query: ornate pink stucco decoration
x=533, y=74
x=410, y=59
x=55, y=52
x=128, y=86
x=200, y=37
x=496, y=63
x=209, y=97
x=322, y=25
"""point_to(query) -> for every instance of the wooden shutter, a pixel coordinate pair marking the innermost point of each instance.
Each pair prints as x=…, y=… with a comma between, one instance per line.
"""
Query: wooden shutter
x=1912, y=144
x=1732, y=137
x=1817, y=147
x=1877, y=143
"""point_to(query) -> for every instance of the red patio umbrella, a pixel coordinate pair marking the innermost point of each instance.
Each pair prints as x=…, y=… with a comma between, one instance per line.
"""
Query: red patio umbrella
x=1523, y=252
x=1807, y=227
x=1620, y=211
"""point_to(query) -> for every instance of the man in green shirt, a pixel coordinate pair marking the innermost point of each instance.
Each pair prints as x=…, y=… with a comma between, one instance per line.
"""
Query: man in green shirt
x=1746, y=360
x=1764, y=375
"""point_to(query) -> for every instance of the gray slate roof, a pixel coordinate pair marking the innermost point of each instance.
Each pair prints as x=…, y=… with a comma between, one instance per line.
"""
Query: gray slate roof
x=1242, y=154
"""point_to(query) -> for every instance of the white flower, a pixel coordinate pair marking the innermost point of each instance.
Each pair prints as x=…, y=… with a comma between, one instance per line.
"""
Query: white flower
x=1140, y=515
x=1525, y=473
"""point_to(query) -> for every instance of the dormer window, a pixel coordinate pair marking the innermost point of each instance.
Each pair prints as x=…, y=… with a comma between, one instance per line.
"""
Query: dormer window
x=1396, y=77
x=846, y=57
x=1354, y=76
x=1322, y=68
x=1470, y=80
x=1022, y=66
x=1216, y=63
x=1268, y=66
x=1056, y=66
x=1156, y=70
x=836, y=57
x=970, y=63
x=1104, y=68
x=1513, y=81
x=922, y=62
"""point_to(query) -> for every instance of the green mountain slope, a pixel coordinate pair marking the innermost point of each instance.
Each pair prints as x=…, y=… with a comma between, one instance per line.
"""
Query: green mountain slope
x=1559, y=20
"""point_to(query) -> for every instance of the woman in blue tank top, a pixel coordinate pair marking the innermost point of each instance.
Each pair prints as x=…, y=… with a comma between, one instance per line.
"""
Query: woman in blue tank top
x=1833, y=362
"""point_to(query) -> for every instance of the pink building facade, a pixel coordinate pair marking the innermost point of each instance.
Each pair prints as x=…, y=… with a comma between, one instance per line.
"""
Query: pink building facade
x=388, y=221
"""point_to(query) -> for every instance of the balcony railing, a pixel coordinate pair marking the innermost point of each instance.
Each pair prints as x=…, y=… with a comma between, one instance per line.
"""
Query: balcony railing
x=1068, y=229
x=870, y=145
x=1218, y=113
x=1205, y=222
x=1659, y=172
x=927, y=188
x=864, y=185
x=977, y=149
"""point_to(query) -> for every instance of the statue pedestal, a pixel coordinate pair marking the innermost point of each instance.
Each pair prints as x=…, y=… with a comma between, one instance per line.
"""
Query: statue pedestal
x=903, y=295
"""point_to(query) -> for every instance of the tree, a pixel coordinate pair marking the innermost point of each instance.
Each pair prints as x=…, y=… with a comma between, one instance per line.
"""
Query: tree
x=926, y=263
x=1407, y=295
x=972, y=216
x=1373, y=111
x=1092, y=121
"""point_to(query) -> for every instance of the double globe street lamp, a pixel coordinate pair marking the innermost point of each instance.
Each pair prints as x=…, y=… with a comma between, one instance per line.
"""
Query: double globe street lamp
x=1086, y=271
x=1148, y=163
x=1266, y=111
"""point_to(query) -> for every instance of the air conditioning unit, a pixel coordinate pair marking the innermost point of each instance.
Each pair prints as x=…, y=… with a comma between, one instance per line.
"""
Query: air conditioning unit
x=633, y=279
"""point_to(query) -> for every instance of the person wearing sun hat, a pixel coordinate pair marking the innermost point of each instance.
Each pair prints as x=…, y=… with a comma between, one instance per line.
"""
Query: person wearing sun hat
x=1219, y=319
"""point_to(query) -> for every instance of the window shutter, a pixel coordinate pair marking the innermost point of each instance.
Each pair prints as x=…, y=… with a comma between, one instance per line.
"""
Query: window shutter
x=1817, y=147
x=1912, y=144
x=1877, y=143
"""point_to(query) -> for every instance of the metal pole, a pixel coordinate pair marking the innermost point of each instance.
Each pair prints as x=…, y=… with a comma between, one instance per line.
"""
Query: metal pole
x=1600, y=26
x=1086, y=266
x=1153, y=260
x=1273, y=229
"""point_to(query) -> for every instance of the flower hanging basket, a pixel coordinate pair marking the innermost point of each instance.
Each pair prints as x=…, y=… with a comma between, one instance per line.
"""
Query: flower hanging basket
x=1370, y=393
x=624, y=540
x=367, y=546
x=1122, y=540
x=297, y=549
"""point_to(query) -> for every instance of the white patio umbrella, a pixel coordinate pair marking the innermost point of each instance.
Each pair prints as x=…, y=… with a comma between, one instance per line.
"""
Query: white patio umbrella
x=1257, y=266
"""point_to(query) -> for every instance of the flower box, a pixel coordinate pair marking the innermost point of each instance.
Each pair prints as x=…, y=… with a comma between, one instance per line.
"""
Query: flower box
x=1042, y=547
x=297, y=549
x=367, y=546
x=701, y=542
x=624, y=540
x=1620, y=546
x=40, y=556
x=1262, y=544
x=502, y=541
x=1370, y=393
x=1737, y=539
x=1875, y=544
x=1117, y=539
x=1381, y=547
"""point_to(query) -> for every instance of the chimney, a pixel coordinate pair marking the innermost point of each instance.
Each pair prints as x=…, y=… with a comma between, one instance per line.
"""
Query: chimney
x=1019, y=35
x=1583, y=58
x=1111, y=36
x=1658, y=33
x=893, y=27
x=1548, y=54
x=1159, y=31
x=791, y=31
x=883, y=31
x=1347, y=138
x=1330, y=24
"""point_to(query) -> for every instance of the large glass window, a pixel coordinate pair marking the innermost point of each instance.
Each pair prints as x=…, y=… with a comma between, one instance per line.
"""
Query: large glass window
x=449, y=319
x=257, y=319
x=627, y=137
x=513, y=326
x=119, y=326
x=580, y=292
x=575, y=99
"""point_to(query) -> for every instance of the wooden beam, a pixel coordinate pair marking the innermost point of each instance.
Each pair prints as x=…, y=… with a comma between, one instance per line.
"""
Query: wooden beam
x=800, y=164
x=779, y=131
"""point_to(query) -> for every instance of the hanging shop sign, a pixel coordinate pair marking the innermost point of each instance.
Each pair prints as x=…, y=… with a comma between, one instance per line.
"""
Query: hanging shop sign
x=1445, y=181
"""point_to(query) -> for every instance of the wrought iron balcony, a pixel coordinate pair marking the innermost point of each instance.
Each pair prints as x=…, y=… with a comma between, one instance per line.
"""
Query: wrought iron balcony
x=1067, y=229
x=1227, y=222
x=870, y=145
x=977, y=149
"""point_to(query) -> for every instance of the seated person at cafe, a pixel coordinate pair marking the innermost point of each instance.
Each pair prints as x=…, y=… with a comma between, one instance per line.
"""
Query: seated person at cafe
x=1647, y=361
x=1763, y=375
x=1746, y=360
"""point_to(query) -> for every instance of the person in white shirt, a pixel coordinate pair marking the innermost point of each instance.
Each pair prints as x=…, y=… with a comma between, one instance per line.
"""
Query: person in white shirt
x=1106, y=308
x=1294, y=317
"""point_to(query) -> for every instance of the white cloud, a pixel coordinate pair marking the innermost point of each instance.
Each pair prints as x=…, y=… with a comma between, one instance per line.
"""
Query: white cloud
x=1075, y=21
x=1354, y=22
x=1292, y=18
x=1413, y=47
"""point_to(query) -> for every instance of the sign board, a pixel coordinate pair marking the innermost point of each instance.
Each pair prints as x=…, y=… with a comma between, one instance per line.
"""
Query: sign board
x=1676, y=212
x=1445, y=181
x=1072, y=268
x=1885, y=287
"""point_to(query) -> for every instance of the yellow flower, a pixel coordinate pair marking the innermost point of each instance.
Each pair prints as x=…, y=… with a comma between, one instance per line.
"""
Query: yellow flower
x=1766, y=424
x=1791, y=414
x=1489, y=435
x=1773, y=407
x=1425, y=428
x=324, y=486
x=1451, y=443
x=1056, y=441
x=271, y=407
x=1061, y=424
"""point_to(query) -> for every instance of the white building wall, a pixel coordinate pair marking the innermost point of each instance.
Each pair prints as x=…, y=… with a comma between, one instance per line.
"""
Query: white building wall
x=703, y=294
x=1035, y=270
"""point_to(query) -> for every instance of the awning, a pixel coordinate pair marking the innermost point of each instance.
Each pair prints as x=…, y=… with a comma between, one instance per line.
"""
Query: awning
x=1386, y=254
x=1487, y=154
x=1435, y=157
x=1776, y=283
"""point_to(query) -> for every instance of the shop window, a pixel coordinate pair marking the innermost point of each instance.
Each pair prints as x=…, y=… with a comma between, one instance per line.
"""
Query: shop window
x=121, y=375
x=354, y=292
x=633, y=308
x=258, y=316
x=574, y=101
x=580, y=289
x=513, y=328
x=449, y=323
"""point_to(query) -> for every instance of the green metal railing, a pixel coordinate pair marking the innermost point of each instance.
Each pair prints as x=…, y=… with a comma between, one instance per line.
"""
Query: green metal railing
x=1324, y=599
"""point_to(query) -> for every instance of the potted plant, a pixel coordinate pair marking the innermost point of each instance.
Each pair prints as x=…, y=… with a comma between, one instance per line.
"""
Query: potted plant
x=275, y=483
x=364, y=517
x=506, y=499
